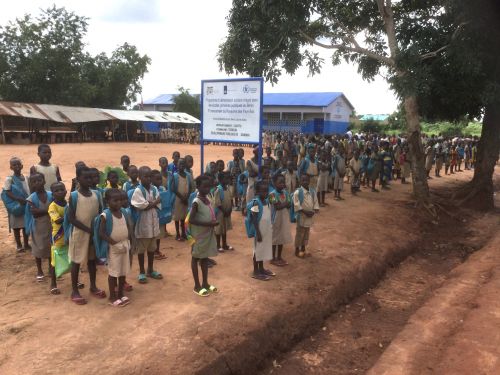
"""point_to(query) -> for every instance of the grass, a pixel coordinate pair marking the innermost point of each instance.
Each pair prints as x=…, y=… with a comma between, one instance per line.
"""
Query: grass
x=447, y=129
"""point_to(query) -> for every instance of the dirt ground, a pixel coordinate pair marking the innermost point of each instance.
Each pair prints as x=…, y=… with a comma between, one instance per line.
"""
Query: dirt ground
x=166, y=328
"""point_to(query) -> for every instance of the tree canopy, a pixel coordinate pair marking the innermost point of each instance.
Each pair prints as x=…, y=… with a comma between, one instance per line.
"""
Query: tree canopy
x=187, y=103
x=43, y=60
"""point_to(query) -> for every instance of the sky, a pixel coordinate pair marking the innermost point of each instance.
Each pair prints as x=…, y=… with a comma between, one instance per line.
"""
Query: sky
x=182, y=39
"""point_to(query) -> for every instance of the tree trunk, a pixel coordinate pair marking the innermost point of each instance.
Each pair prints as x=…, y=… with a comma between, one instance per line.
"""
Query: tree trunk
x=479, y=192
x=417, y=156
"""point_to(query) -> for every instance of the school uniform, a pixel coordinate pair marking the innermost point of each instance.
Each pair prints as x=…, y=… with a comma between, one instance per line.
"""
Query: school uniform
x=291, y=180
x=182, y=187
x=282, y=233
x=205, y=245
x=338, y=172
x=81, y=249
x=41, y=230
x=304, y=223
x=118, y=254
x=223, y=200
x=322, y=185
x=147, y=227
x=251, y=167
x=20, y=189
x=264, y=250
x=49, y=172
x=355, y=166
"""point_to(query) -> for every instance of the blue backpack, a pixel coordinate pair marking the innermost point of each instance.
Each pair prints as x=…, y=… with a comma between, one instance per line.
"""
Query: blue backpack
x=135, y=213
x=29, y=220
x=166, y=197
x=67, y=226
x=301, y=200
x=101, y=246
x=291, y=210
x=220, y=189
x=240, y=186
x=250, y=228
x=14, y=207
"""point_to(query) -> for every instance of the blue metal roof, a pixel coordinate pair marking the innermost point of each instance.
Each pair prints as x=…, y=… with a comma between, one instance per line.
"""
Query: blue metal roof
x=302, y=99
x=378, y=117
x=161, y=99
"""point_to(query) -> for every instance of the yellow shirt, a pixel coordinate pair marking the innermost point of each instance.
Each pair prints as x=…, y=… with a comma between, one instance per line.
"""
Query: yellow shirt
x=56, y=212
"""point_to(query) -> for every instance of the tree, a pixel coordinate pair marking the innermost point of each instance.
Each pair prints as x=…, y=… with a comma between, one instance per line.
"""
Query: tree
x=265, y=37
x=187, y=103
x=43, y=60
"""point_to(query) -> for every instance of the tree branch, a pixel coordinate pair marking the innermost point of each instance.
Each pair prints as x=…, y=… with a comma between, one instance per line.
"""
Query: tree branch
x=432, y=54
x=355, y=48
x=385, y=10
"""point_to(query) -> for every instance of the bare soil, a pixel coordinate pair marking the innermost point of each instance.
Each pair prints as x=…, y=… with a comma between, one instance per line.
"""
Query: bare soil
x=168, y=329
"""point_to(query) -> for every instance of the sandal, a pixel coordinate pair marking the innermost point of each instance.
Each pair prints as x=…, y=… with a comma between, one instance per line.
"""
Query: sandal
x=99, y=293
x=228, y=248
x=79, y=300
x=269, y=272
x=155, y=275
x=117, y=303
x=40, y=278
x=142, y=278
x=127, y=287
x=261, y=277
x=301, y=254
x=125, y=300
x=80, y=285
x=281, y=263
x=55, y=291
x=202, y=292
x=213, y=289
x=220, y=250
x=160, y=256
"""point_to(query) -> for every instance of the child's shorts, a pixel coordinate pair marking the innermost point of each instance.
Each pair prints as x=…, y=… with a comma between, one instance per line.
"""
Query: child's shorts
x=145, y=245
x=302, y=236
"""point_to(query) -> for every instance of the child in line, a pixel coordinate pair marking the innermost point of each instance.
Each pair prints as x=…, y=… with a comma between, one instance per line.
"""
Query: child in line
x=306, y=206
x=165, y=173
x=118, y=247
x=112, y=179
x=133, y=182
x=16, y=190
x=201, y=227
x=235, y=169
x=338, y=167
x=49, y=171
x=125, y=163
x=74, y=182
x=126, y=208
x=263, y=241
x=291, y=179
x=38, y=223
x=173, y=167
x=156, y=180
x=181, y=186
x=224, y=204
x=56, y=214
x=281, y=202
x=83, y=206
x=324, y=167
x=355, y=168
x=146, y=200
x=188, y=159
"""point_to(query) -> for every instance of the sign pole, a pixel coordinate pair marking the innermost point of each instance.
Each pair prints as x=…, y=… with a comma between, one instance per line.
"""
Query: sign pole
x=202, y=143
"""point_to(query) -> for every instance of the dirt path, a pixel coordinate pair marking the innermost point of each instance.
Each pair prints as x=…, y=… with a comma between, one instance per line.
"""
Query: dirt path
x=167, y=329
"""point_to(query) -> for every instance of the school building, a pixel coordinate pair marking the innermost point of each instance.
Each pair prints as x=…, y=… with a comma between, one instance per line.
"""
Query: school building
x=306, y=112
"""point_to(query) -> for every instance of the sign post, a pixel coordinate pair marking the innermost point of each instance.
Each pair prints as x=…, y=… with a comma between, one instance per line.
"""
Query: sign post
x=231, y=112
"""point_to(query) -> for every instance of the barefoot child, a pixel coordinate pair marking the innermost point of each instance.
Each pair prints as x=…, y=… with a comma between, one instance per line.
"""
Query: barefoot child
x=49, y=171
x=133, y=182
x=38, y=224
x=201, y=223
x=146, y=201
x=306, y=205
x=56, y=213
x=118, y=240
x=260, y=217
x=224, y=204
x=14, y=194
x=83, y=206
x=181, y=185
x=281, y=202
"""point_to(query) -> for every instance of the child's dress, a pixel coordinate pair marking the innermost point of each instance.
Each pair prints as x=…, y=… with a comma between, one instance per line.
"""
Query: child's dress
x=282, y=233
x=19, y=188
x=205, y=245
x=87, y=209
x=41, y=235
x=180, y=209
x=264, y=250
x=49, y=172
x=118, y=254
x=225, y=202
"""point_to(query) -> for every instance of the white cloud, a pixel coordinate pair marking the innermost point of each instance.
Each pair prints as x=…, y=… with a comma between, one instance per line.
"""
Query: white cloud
x=182, y=38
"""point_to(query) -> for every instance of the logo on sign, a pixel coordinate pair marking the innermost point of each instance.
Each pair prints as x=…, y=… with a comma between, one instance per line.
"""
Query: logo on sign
x=210, y=90
x=249, y=90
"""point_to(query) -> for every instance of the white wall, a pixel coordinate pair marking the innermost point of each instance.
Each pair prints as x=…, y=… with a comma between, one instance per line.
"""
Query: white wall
x=338, y=110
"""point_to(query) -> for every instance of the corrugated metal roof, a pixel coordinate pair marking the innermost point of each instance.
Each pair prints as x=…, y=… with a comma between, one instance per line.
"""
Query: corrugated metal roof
x=303, y=99
x=374, y=117
x=161, y=99
x=21, y=110
x=124, y=115
x=60, y=113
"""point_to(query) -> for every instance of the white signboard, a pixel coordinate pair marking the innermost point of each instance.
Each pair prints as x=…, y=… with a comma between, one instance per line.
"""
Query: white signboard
x=232, y=110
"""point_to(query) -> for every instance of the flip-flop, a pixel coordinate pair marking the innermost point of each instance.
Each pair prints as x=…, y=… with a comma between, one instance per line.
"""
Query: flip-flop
x=117, y=303
x=269, y=273
x=220, y=250
x=142, y=279
x=213, y=289
x=261, y=277
x=127, y=287
x=155, y=275
x=55, y=291
x=79, y=300
x=202, y=292
x=40, y=278
x=160, y=256
x=99, y=293
x=125, y=300
x=229, y=248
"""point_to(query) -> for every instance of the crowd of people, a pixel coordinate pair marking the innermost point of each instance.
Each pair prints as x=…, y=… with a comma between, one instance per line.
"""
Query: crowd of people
x=285, y=186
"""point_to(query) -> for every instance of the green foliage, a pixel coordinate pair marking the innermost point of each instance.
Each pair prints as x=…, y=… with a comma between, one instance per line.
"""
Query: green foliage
x=187, y=103
x=43, y=60
x=371, y=126
x=103, y=175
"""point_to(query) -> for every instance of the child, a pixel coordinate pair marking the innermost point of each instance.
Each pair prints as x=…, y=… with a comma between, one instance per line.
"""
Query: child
x=165, y=173
x=112, y=180
x=14, y=194
x=280, y=215
x=260, y=217
x=173, y=167
x=224, y=203
x=309, y=166
x=125, y=162
x=133, y=174
x=146, y=200
x=201, y=224
x=181, y=186
x=235, y=168
x=49, y=171
x=38, y=224
x=74, y=183
x=355, y=167
x=324, y=167
x=118, y=246
x=56, y=214
x=156, y=180
x=291, y=179
x=338, y=167
x=306, y=205
x=252, y=167
x=188, y=159
x=126, y=208
x=83, y=206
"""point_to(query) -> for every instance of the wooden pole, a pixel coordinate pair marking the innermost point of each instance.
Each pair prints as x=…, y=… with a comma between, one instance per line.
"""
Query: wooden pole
x=113, y=130
x=126, y=129
x=3, y=130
